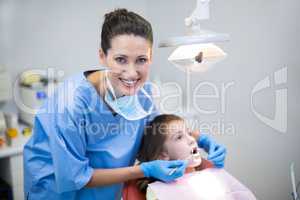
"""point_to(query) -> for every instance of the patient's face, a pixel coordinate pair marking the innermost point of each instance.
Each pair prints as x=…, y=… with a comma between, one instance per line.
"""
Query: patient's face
x=179, y=144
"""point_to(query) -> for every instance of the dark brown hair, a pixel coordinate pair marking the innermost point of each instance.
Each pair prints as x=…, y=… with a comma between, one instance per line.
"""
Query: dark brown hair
x=121, y=21
x=155, y=135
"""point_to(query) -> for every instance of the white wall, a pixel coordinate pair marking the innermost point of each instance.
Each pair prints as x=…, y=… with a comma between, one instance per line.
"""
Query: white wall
x=60, y=34
x=264, y=38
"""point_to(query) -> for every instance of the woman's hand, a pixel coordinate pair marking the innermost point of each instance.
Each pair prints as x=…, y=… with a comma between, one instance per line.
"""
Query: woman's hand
x=162, y=170
x=216, y=152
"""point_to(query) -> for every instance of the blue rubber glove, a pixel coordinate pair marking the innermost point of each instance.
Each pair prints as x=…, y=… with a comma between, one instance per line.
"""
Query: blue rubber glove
x=161, y=169
x=216, y=152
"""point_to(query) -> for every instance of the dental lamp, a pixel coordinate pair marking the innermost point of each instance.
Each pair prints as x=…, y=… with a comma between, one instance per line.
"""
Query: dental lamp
x=196, y=50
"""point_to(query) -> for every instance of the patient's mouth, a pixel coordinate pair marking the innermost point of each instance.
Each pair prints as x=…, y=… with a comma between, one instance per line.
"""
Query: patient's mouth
x=195, y=158
x=194, y=150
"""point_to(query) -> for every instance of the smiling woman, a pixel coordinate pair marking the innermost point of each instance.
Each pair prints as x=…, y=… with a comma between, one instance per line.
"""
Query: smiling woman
x=129, y=58
x=126, y=47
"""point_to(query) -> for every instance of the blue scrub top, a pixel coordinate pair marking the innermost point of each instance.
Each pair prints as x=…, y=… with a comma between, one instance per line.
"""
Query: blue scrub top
x=75, y=133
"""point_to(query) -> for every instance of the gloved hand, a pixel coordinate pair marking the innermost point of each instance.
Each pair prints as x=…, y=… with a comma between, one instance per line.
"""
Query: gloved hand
x=216, y=152
x=161, y=169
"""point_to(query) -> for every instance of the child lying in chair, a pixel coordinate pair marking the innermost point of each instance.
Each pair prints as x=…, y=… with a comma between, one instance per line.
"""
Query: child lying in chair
x=167, y=138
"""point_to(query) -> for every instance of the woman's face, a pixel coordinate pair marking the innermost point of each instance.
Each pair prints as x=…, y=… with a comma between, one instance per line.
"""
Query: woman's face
x=129, y=58
x=179, y=143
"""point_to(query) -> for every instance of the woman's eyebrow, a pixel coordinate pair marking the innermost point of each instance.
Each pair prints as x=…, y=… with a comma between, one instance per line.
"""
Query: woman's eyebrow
x=121, y=55
x=142, y=56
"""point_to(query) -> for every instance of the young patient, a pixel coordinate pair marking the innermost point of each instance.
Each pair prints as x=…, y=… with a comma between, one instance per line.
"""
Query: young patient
x=168, y=138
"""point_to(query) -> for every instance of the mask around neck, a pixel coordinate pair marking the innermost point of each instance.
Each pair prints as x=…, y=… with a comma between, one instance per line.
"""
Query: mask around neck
x=129, y=107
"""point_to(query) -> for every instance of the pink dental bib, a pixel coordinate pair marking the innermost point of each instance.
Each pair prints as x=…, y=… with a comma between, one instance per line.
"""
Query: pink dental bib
x=208, y=184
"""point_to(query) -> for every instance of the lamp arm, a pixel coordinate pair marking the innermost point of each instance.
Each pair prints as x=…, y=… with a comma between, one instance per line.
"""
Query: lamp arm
x=201, y=12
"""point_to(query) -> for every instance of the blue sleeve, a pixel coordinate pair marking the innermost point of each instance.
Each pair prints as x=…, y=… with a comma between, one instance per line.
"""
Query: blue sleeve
x=68, y=148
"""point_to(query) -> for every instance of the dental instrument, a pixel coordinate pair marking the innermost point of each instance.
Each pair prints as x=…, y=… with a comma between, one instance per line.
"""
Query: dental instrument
x=293, y=179
x=193, y=160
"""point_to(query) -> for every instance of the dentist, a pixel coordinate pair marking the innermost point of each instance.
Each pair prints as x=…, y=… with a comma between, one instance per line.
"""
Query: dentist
x=87, y=134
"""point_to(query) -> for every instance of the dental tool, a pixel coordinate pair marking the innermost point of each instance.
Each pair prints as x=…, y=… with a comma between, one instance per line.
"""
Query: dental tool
x=193, y=160
x=172, y=171
x=293, y=179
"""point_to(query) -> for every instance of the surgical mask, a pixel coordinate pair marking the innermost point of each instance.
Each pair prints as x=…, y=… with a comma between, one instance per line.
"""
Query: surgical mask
x=128, y=107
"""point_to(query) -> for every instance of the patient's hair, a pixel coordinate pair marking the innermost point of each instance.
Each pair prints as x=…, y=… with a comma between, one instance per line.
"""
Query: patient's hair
x=155, y=135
